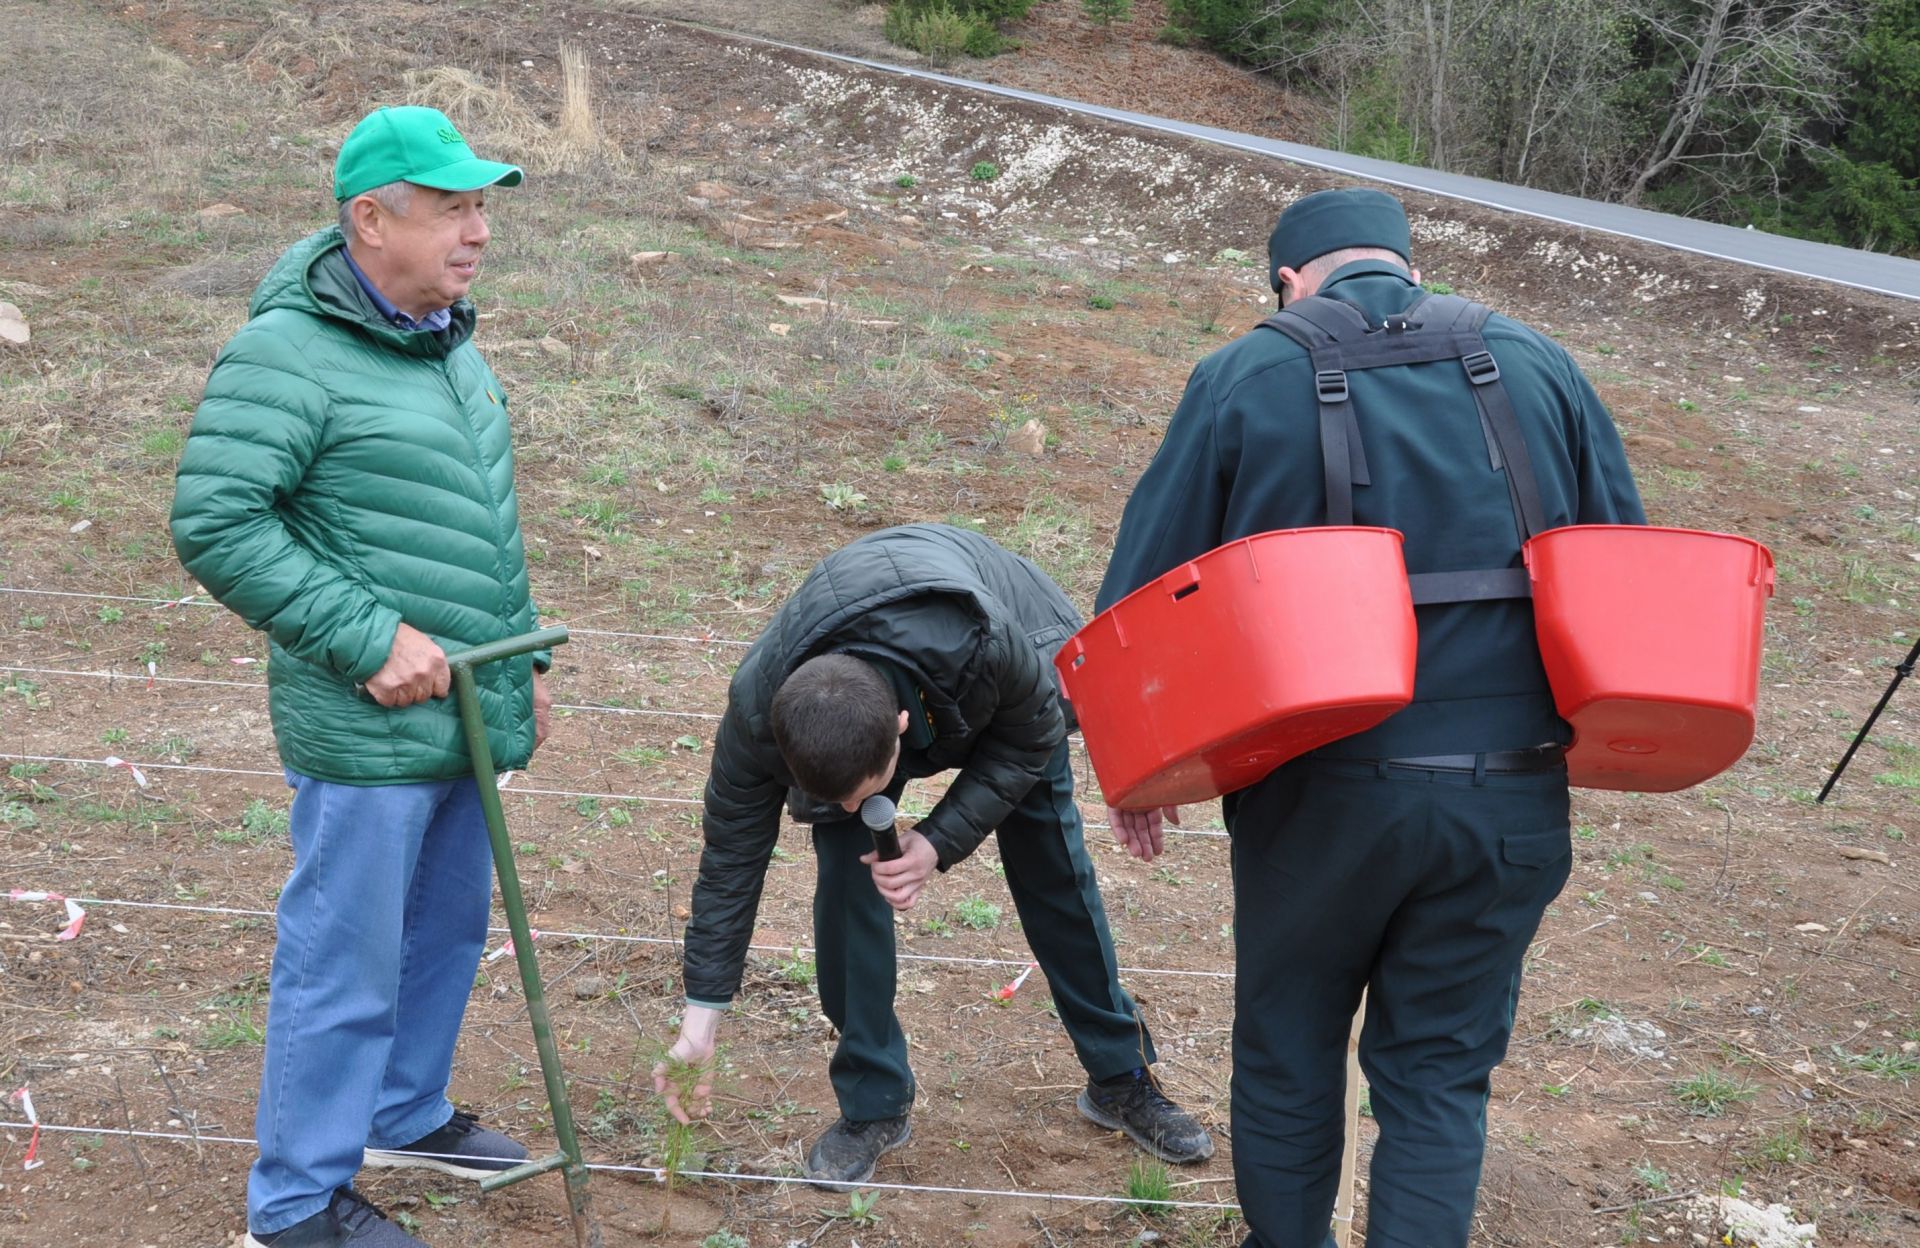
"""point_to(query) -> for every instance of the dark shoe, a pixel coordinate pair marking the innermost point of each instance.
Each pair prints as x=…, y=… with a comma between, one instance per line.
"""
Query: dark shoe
x=1133, y=1103
x=350, y=1219
x=463, y=1148
x=847, y=1153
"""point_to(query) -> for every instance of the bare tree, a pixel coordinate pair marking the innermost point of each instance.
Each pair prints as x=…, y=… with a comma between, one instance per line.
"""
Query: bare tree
x=1751, y=78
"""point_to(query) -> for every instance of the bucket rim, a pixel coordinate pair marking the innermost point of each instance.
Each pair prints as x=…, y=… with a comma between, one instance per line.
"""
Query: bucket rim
x=1334, y=530
x=1649, y=528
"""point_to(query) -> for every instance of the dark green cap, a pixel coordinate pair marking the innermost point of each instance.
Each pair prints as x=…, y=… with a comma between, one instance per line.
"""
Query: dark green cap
x=1330, y=220
x=412, y=144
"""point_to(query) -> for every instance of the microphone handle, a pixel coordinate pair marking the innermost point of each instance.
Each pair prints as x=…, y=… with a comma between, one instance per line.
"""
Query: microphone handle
x=886, y=842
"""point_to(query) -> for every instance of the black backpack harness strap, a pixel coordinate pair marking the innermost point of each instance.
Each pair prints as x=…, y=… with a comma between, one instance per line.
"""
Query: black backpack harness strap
x=1338, y=338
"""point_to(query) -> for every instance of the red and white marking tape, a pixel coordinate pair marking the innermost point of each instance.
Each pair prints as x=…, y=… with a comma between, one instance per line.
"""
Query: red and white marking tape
x=1006, y=991
x=506, y=947
x=76, y=917
x=24, y=1099
x=139, y=777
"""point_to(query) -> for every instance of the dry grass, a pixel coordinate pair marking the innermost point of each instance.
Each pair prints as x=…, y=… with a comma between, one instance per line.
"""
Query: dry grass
x=469, y=100
x=577, y=144
x=300, y=48
x=578, y=141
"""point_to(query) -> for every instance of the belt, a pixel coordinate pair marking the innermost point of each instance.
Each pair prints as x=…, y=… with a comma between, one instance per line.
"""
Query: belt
x=1539, y=758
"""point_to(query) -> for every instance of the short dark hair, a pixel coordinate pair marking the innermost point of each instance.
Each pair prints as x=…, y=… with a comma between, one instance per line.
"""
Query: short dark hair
x=837, y=723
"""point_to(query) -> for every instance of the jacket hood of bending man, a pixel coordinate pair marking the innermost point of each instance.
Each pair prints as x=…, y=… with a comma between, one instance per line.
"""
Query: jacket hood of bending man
x=970, y=627
x=343, y=474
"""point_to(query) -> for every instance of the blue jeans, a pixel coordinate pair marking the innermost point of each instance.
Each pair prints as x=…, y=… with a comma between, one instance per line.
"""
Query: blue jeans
x=381, y=928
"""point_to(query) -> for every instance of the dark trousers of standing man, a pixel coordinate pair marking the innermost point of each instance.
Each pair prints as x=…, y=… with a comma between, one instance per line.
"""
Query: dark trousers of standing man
x=1053, y=888
x=1423, y=887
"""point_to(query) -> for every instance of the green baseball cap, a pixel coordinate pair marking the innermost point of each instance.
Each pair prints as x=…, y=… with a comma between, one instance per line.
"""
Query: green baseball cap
x=413, y=144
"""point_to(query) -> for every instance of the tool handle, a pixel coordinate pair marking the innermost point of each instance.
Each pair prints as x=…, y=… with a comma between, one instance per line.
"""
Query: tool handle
x=508, y=647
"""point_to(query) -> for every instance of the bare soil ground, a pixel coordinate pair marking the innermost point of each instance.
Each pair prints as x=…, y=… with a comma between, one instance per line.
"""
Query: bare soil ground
x=1722, y=1000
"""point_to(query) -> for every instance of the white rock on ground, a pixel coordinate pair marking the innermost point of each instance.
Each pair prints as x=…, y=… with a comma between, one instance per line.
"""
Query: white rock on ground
x=1750, y=1225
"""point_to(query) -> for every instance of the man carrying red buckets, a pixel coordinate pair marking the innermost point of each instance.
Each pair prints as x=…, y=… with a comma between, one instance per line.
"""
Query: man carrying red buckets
x=1411, y=859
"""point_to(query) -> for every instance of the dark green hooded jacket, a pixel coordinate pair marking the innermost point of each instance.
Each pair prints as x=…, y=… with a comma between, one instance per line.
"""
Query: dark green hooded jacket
x=971, y=626
x=1242, y=456
x=342, y=476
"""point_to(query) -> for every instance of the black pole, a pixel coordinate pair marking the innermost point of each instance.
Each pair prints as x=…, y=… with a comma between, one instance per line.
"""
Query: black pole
x=1900, y=672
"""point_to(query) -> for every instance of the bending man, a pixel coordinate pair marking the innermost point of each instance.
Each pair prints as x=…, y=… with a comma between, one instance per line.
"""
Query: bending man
x=912, y=651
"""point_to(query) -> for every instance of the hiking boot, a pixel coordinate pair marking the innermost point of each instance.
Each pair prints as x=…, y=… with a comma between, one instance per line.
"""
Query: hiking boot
x=847, y=1153
x=1133, y=1103
x=349, y=1219
x=463, y=1148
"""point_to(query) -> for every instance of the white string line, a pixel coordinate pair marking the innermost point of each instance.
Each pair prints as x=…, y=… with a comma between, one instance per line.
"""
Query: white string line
x=196, y=601
x=510, y=789
x=659, y=1174
x=138, y=677
x=113, y=902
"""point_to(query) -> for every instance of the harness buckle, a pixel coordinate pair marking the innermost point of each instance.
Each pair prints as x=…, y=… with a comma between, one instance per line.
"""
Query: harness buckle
x=1482, y=369
x=1331, y=385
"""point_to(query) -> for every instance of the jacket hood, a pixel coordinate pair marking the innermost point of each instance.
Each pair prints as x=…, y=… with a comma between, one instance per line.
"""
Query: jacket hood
x=920, y=596
x=312, y=277
x=880, y=608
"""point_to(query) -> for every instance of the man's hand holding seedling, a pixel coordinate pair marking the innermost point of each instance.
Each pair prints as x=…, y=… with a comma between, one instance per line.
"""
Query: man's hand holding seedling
x=687, y=1070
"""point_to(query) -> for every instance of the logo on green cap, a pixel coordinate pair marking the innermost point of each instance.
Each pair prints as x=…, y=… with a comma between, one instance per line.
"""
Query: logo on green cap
x=449, y=135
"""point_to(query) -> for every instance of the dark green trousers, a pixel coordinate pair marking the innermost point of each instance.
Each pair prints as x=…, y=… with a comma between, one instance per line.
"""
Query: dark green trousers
x=1051, y=879
x=1424, y=888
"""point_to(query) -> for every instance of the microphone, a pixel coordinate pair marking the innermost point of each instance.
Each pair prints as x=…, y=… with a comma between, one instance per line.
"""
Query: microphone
x=877, y=812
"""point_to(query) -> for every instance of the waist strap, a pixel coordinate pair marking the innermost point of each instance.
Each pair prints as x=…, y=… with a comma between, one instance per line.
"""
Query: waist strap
x=1539, y=758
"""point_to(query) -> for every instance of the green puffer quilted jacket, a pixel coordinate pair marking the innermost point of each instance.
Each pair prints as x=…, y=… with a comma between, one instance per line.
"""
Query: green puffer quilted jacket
x=343, y=476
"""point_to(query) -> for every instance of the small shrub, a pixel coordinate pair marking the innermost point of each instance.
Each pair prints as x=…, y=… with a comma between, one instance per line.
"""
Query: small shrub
x=839, y=496
x=977, y=913
x=798, y=969
x=1148, y=1186
x=1709, y=1094
x=724, y=1238
x=938, y=32
x=984, y=41
x=1107, y=12
x=1175, y=36
x=259, y=824
x=906, y=181
x=1103, y=302
x=1885, y=1063
x=984, y=171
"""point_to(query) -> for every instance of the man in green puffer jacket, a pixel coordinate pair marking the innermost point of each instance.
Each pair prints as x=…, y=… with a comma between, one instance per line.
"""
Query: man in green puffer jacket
x=347, y=488
x=910, y=652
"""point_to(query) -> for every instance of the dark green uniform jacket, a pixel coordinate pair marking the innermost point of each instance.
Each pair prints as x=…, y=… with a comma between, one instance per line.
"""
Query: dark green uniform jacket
x=971, y=628
x=342, y=476
x=1242, y=456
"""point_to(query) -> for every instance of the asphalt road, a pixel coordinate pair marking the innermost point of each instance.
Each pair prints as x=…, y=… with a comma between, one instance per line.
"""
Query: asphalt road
x=1864, y=270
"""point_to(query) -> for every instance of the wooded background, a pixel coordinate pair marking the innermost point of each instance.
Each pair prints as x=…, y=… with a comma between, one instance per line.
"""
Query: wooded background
x=1796, y=116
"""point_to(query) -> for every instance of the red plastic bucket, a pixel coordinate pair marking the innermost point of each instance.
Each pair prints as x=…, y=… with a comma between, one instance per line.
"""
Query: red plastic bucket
x=1207, y=679
x=1651, y=640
